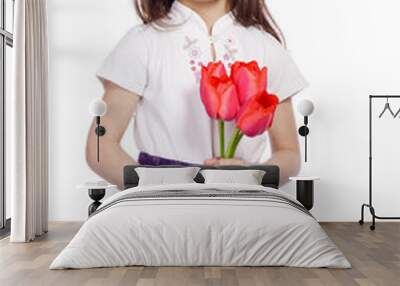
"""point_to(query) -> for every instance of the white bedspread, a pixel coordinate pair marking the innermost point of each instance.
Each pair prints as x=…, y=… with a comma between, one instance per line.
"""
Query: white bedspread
x=175, y=231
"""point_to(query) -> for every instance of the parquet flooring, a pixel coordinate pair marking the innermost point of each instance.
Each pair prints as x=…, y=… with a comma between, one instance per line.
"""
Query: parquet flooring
x=375, y=257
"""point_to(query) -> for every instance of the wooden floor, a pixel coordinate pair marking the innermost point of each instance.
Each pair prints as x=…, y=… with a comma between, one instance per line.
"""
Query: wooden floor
x=375, y=257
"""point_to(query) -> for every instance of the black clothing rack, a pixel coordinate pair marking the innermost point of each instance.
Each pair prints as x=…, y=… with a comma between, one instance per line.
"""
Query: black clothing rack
x=370, y=204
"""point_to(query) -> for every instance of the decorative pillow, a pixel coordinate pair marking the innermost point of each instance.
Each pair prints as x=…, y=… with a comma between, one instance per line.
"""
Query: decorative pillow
x=247, y=177
x=162, y=176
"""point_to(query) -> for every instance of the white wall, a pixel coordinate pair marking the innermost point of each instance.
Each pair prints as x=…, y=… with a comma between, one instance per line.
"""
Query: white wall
x=81, y=33
x=346, y=49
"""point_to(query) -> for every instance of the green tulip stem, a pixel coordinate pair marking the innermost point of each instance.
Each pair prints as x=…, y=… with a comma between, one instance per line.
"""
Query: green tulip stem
x=221, y=127
x=233, y=143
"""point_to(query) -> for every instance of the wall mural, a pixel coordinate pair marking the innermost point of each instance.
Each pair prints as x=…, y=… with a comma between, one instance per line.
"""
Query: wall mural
x=200, y=95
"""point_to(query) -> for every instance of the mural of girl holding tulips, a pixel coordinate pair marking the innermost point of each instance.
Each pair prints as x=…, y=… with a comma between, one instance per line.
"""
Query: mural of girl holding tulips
x=207, y=81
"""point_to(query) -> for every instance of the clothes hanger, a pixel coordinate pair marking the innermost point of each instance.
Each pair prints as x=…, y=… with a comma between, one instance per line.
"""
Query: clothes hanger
x=387, y=107
x=397, y=113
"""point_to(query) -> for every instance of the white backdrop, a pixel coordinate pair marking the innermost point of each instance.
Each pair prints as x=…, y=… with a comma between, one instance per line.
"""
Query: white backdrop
x=346, y=49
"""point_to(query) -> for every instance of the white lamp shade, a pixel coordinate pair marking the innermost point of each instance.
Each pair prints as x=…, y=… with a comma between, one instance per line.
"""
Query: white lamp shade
x=98, y=107
x=305, y=107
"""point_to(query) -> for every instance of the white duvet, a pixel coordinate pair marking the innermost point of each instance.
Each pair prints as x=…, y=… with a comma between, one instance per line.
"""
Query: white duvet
x=202, y=231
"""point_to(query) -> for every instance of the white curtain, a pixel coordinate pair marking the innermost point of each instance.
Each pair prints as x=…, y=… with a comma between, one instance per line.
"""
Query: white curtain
x=28, y=120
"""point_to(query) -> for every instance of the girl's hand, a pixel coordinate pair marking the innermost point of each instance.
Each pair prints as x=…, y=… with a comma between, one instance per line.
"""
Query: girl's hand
x=217, y=161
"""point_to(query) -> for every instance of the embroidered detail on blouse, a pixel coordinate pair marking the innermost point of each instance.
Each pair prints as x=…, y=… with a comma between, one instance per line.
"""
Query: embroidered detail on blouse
x=194, y=53
x=189, y=42
x=230, y=41
x=230, y=55
x=197, y=76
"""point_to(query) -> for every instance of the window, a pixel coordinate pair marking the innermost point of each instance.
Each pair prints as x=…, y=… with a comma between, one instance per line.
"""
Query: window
x=6, y=44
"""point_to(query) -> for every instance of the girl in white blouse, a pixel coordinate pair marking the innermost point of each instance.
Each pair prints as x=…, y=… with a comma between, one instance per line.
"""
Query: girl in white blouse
x=154, y=73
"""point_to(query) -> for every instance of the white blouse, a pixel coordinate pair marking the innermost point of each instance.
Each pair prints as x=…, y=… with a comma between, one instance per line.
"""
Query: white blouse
x=162, y=63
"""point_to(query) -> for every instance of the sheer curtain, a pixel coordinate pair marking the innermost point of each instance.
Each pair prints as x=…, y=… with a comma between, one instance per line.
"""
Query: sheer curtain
x=28, y=120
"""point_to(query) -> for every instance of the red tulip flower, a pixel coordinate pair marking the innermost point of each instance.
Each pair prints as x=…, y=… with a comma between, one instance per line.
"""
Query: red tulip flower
x=249, y=79
x=218, y=93
x=253, y=119
x=219, y=96
x=256, y=115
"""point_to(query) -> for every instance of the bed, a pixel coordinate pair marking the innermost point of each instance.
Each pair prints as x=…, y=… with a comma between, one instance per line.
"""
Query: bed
x=199, y=224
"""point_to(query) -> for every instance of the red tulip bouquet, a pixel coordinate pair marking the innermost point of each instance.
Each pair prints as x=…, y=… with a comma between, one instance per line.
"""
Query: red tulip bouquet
x=241, y=96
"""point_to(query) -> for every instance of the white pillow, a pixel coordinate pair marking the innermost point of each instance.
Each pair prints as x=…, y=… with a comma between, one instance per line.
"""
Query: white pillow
x=248, y=177
x=162, y=176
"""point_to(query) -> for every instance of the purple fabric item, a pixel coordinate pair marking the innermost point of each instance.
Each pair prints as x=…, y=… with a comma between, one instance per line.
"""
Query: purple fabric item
x=147, y=159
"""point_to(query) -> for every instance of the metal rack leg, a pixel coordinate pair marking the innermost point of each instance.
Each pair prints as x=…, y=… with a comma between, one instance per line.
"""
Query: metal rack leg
x=361, y=221
x=372, y=210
